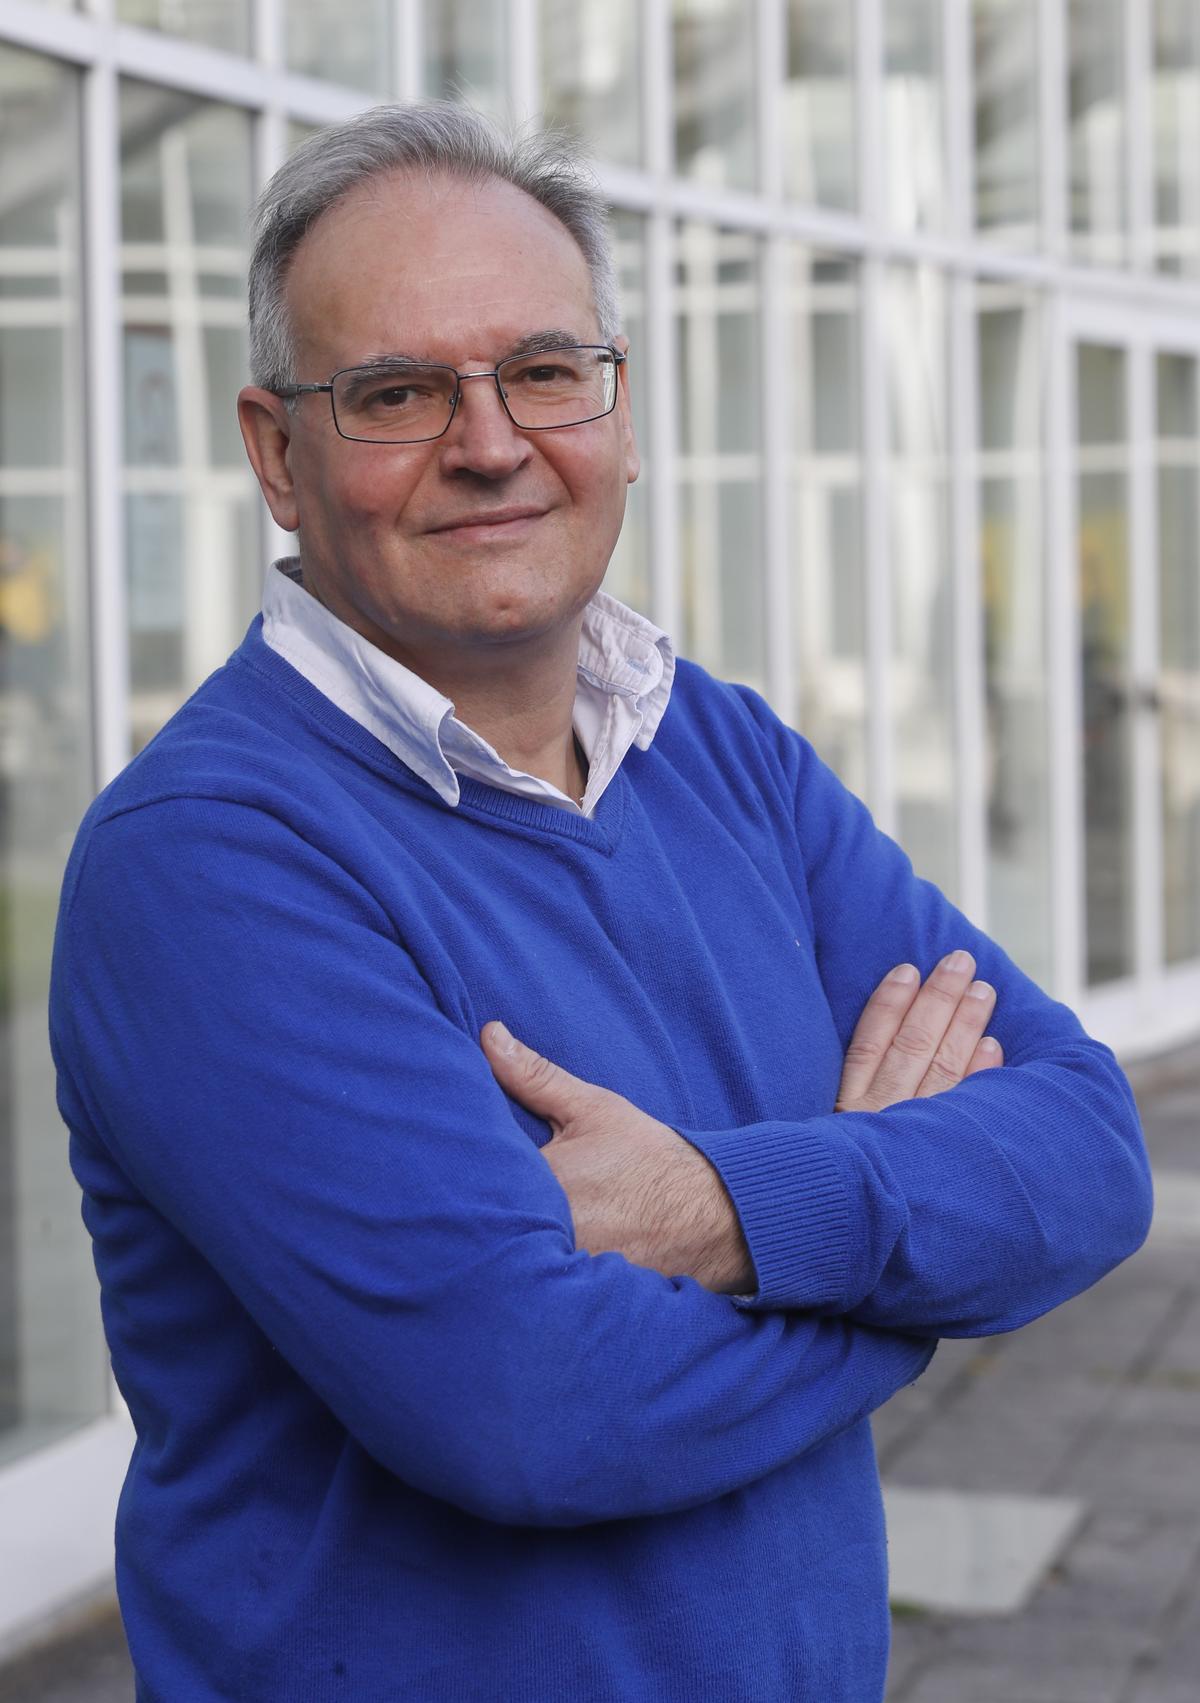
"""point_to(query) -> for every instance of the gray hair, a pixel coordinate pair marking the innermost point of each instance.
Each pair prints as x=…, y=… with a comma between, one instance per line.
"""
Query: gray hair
x=437, y=138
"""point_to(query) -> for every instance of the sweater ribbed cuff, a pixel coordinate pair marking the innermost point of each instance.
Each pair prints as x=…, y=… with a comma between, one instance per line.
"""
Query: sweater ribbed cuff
x=790, y=1195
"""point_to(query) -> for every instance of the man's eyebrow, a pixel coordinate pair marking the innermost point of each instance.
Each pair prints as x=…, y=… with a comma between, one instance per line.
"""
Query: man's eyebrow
x=540, y=340
x=390, y=358
x=534, y=344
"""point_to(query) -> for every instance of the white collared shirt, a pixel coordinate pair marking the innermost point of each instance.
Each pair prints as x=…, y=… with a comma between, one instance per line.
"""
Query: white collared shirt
x=626, y=666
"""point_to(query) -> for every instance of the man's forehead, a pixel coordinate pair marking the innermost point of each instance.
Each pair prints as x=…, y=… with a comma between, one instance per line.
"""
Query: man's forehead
x=448, y=254
x=387, y=210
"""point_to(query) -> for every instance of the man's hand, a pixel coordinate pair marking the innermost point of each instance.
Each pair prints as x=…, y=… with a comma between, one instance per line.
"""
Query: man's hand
x=639, y=1189
x=913, y=1041
x=635, y=1186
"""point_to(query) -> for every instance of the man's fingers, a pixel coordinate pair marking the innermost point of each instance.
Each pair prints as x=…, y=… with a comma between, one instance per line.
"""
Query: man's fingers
x=922, y=1032
x=543, y=1088
x=987, y=1055
x=963, y=1035
x=875, y=1031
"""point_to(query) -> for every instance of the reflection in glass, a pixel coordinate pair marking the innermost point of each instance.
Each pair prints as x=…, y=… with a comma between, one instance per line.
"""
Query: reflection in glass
x=1179, y=677
x=818, y=107
x=1103, y=456
x=1096, y=99
x=1012, y=564
x=922, y=594
x=826, y=489
x=53, y=1366
x=465, y=44
x=1006, y=134
x=720, y=467
x=713, y=42
x=591, y=73
x=1176, y=95
x=215, y=23
x=191, y=535
x=341, y=41
x=914, y=122
x=628, y=574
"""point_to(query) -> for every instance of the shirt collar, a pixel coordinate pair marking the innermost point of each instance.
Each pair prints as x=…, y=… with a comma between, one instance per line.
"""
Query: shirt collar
x=626, y=668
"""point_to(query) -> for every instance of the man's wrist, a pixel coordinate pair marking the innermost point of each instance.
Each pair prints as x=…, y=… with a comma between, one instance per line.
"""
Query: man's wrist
x=725, y=1265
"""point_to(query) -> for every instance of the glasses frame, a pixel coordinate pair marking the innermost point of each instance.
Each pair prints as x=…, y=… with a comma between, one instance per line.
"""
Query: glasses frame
x=288, y=392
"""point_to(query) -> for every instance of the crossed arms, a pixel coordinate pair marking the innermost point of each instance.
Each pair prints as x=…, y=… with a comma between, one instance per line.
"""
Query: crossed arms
x=250, y=1056
x=639, y=1189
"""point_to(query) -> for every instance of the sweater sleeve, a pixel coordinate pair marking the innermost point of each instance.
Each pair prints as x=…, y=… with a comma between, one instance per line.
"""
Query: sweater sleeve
x=963, y=1214
x=236, y=1022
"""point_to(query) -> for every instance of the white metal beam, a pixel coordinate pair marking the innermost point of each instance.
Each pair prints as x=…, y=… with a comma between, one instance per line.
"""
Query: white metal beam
x=103, y=383
x=877, y=557
x=970, y=751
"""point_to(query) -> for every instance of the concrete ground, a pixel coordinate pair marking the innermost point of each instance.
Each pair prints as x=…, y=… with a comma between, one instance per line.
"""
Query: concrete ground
x=1098, y=1404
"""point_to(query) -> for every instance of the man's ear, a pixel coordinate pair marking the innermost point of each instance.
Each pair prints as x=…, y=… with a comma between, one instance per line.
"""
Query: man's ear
x=633, y=459
x=266, y=432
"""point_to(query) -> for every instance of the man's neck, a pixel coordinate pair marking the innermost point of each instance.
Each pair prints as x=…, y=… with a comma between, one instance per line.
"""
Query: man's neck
x=520, y=697
x=524, y=708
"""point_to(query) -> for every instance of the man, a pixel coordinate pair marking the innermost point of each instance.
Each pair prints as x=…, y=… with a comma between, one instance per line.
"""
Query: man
x=413, y=1422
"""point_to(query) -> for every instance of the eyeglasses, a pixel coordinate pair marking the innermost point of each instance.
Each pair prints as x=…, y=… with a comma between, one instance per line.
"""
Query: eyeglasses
x=414, y=402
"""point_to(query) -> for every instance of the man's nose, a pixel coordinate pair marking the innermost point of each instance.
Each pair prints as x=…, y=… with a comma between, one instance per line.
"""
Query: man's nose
x=481, y=438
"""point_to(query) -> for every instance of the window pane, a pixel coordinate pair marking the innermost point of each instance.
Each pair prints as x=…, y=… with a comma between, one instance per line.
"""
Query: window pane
x=1103, y=495
x=717, y=319
x=922, y=612
x=591, y=73
x=914, y=115
x=1098, y=215
x=216, y=23
x=341, y=41
x=1179, y=677
x=1177, y=136
x=53, y=1365
x=190, y=501
x=818, y=104
x=713, y=44
x=826, y=490
x=1006, y=134
x=628, y=574
x=1012, y=564
x=465, y=44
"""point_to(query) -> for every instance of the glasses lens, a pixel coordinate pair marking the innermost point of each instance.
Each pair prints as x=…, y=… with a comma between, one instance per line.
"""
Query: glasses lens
x=393, y=404
x=559, y=387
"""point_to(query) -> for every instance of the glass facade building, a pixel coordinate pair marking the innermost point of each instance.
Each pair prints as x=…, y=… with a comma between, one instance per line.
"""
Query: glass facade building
x=913, y=293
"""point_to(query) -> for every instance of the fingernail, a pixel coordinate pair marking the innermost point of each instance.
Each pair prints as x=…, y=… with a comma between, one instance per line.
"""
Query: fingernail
x=904, y=973
x=502, y=1040
x=981, y=990
x=956, y=961
x=989, y=1046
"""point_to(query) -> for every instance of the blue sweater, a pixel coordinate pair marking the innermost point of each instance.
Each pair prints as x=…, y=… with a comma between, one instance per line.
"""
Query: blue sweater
x=397, y=1437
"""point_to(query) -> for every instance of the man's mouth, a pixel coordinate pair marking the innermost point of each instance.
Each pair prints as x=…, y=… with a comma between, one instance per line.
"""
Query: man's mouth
x=485, y=525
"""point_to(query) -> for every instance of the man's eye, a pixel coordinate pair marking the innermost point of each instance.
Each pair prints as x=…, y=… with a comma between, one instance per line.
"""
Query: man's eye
x=394, y=396
x=546, y=373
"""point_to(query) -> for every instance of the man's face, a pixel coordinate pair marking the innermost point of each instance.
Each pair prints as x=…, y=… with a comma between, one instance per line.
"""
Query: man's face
x=487, y=535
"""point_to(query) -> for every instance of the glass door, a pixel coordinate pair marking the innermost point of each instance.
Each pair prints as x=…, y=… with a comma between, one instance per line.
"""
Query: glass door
x=1107, y=702
x=1177, y=690
x=1132, y=653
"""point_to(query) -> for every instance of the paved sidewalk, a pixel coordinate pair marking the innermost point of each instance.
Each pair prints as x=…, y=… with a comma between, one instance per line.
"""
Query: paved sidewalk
x=1099, y=1403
